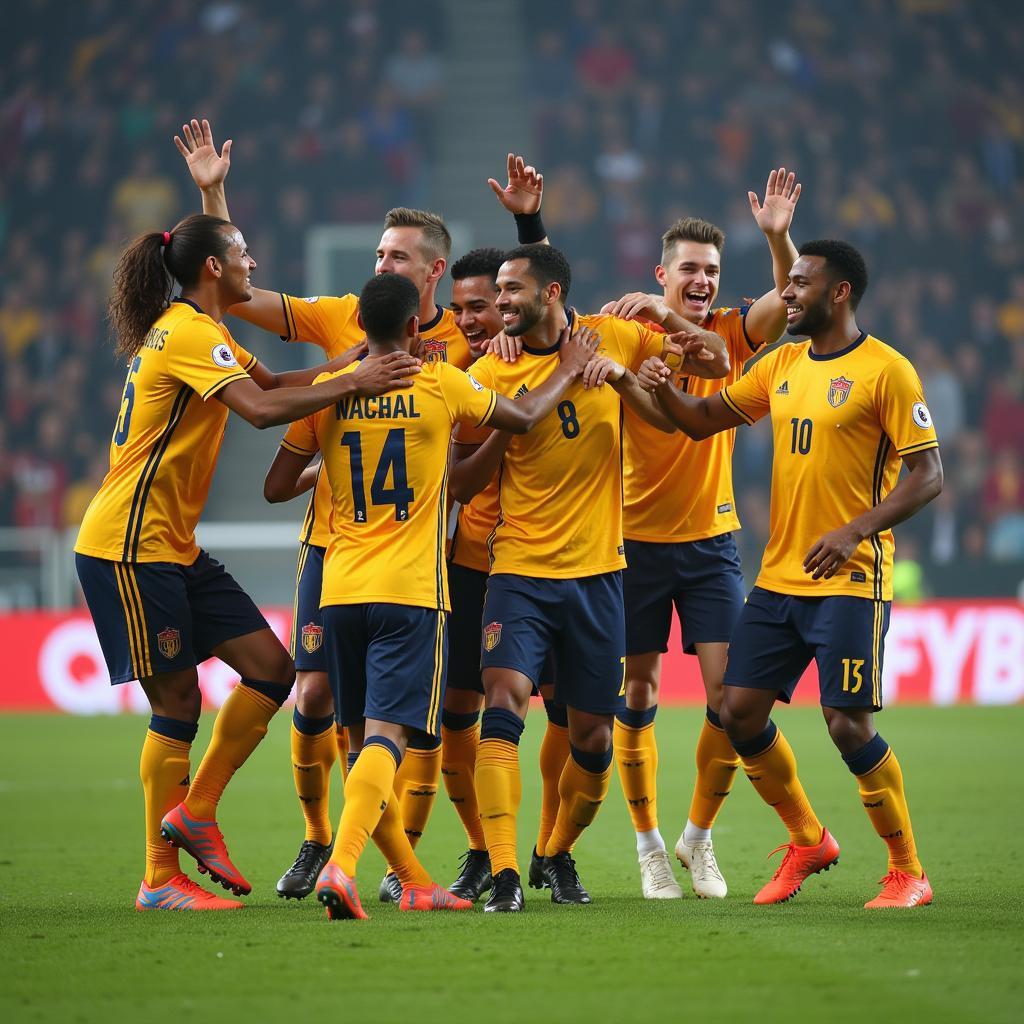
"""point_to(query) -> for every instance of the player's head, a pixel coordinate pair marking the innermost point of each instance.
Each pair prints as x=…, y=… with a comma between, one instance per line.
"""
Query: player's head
x=474, y=294
x=691, y=267
x=828, y=280
x=415, y=244
x=389, y=307
x=533, y=283
x=199, y=250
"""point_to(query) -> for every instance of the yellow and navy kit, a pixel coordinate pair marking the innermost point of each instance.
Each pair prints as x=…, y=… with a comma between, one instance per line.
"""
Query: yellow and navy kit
x=386, y=459
x=676, y=489
x=560, y=486
x=166, y=441
x=476, y=519
x=330, y=321
x=841, y=424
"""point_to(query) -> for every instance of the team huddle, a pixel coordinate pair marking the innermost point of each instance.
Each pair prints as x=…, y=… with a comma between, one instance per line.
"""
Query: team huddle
x=590, y=457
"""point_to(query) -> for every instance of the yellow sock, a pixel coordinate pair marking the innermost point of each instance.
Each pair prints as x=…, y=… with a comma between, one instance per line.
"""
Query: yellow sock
x=554, y=750
x=581, y=794
x=240, y=725
x=772, y=770
x=163, y=769
x=368, y=789
x=717, y=764
x=499, y=791
x=458, y=769
x=416, y=785
x=392, y=839
x=313, y=757
x=343, y=751
x=636, y=754
x=883, y=797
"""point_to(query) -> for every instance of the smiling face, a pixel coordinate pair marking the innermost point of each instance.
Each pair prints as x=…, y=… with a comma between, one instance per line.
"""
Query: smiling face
x=476, y=314
x=811, y=297
x=690, y=279
x=236, y=268
x=521, y=301
x=401, y=251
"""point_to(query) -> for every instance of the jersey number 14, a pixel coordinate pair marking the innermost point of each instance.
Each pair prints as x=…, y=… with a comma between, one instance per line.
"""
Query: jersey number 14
x=391, y=461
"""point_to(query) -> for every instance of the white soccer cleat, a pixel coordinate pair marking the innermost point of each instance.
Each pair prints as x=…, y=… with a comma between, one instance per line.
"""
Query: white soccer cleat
x=705, y=877
x=656, y=878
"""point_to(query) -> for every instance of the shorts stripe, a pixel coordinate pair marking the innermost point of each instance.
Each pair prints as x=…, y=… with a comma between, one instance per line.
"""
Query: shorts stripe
x=129, y=618
x=876, y=651
x=310, y=519
x=303, y=554
x=435, y=682
x=134, y=619
x=133, y=584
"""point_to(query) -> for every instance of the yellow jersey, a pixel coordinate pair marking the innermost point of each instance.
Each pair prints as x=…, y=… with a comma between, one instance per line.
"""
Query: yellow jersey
x=676, y=489
x=386, y=462
x=166, y=441
x=560, y=485
x=841, y=424
x=330, y=321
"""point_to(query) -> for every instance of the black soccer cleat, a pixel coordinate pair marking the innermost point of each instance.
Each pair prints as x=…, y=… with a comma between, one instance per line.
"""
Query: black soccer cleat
x=390, y=890
x=506, y=894
x=474, y=877
x=299, y=880
x=536, y=875
x=560, y=874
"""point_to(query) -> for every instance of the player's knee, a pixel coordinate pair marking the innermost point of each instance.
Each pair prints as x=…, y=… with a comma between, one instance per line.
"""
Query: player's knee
x=280, y=668
x=641, y=691
x=178, y=698
x=849, y=730
x=594, y=737
x=739, y=718
x=313, y=695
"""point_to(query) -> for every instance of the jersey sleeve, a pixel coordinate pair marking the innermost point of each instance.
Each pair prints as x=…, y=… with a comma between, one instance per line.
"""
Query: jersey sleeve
x=200, y=356
x=731, y=325
x=750, y=396
x=300, y=437
x=902, y=411
x=467, y=399
x=648, y=343
x=321, y=319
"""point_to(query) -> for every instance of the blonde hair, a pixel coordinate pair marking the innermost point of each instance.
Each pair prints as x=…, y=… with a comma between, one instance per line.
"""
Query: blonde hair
x=437, y=240
x=691, y=229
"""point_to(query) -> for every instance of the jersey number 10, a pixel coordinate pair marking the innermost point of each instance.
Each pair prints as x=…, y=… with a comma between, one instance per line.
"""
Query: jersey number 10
x=392, y=460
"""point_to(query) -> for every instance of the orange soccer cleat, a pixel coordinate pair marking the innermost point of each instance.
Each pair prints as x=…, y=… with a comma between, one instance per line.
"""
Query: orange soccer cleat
x=203, y=840
x=181, y=893
x=799, y=863
x=901, y=891
x=431, y=897
x=338, y=893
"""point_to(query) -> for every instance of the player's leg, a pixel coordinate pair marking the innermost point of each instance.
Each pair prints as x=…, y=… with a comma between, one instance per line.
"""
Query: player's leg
x=554, y=751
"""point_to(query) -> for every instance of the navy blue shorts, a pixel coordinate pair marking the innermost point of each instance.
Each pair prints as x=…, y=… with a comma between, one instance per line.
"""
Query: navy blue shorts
x=580, y=622
x=387, y=661
x=702, y=578
x=154, y=617
x=307, y=622
x=778, y=635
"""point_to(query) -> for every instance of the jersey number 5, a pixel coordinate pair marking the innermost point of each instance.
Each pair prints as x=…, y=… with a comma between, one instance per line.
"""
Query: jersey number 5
x=124, y=421
x=392, y=460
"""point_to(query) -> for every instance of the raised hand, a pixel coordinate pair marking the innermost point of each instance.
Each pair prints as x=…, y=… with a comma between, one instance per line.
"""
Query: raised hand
x=576, y=350
x=525, y=188
x=635, y=304
x=775, y=215
x=206, y=167
x=652, y=374
x=378, y=374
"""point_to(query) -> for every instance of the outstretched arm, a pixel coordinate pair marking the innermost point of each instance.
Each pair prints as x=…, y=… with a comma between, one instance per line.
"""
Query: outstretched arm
x=698, y=418
x=290, y=475
x=268, y=379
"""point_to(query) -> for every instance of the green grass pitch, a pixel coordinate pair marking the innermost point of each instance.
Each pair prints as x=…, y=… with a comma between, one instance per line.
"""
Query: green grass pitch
x=75, y=950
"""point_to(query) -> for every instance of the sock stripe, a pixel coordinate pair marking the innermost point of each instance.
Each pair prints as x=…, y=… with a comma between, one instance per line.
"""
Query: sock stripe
x=277, y=692
x=173, y=728
x=558, y=713
x=872, y=756
x=388, y=745
x=424, y=743
x=760, y=744
x=637, y=718
x=595, y=763
x=311, y=726
x=713, y=719
x=458, y=722
x=501, y=724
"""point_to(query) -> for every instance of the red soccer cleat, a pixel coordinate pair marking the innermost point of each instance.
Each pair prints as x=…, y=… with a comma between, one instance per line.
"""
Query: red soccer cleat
x=431, y=897
x=901, y=891
x=338, y=893
x=203, y=841
x=799, y=863
x=181, y=893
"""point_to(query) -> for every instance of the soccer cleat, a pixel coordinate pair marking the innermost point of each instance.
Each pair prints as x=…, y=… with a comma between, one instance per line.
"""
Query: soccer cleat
x=656, y=879
x=799, y=863
x=431, y=897
x=901, y=891
x=390, y=890
x=474, y=876
x=705, y=876
x=300, y=879
x=203, y=841
x=181, y=893
x=536, y=873
x=564, y=882
x=506, y=893
x=338, y=893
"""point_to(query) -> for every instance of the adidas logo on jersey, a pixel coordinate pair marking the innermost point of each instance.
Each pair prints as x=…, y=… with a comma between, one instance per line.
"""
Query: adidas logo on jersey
x=783, y=388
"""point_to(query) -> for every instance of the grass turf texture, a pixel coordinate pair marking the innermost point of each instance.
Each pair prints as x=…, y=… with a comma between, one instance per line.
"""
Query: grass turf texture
x=75, y=949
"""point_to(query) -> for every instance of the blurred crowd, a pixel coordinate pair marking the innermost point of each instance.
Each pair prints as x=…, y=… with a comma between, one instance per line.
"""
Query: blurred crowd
x=904, y=120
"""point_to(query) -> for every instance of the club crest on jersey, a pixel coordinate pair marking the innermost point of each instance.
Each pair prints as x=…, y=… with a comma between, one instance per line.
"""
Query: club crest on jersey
x=838, y=391
x=168, y=642
x=492, y=635
x=312, y=637
x=223, y=356
x=433, y=350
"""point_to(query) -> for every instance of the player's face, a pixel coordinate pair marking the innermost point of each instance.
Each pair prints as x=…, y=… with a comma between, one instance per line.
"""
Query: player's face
x=690, y=279
x=236, y=269
x=476, y=315
x=521, y=301
x=808, y=298
x=401, y=252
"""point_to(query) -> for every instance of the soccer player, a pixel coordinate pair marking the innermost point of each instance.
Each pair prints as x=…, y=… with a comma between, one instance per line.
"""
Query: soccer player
x=846, y=411
x=415, y=244
x=160, y=604
x=555, y=579
x=678, y=521
x=385, y=598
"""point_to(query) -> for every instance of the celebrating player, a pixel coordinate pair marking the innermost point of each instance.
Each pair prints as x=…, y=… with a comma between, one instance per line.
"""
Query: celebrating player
x=160, y=604
x=385, y=598
x=846, y=409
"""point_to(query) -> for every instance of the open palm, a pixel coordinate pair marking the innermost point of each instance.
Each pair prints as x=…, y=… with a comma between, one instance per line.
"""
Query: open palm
x=205, y=165
x=524, y=190
x=775, y=214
